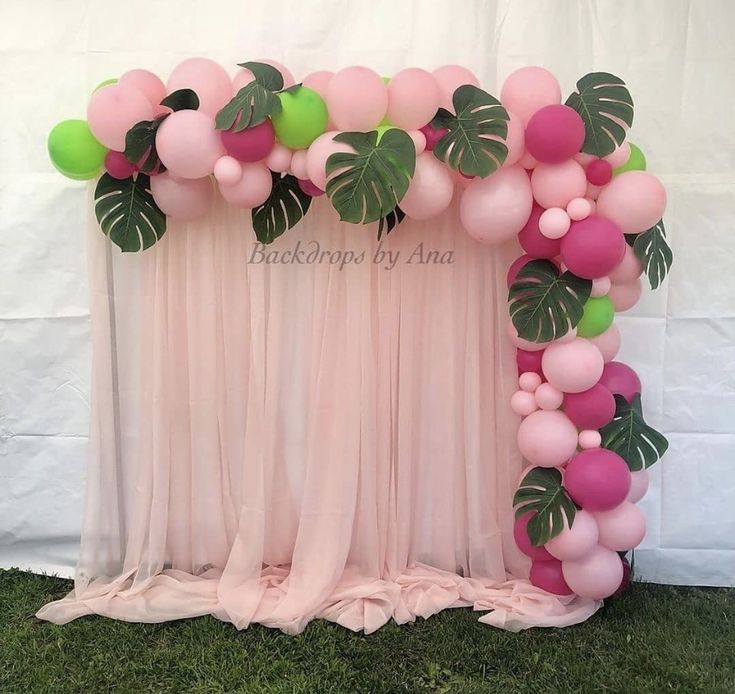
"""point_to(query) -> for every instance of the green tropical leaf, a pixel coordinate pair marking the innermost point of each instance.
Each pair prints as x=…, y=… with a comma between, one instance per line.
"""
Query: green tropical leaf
x=265, y=75
x=390, y=221
x=371, y=181
x=127, y=212
x=604, y=102
x=140, y=141
x=254, y=102
x=475, y=141
x=651, y=249
x=628, y=435
x=545, y=305
x=182, y=99
x=283, y=209
x=541, y=491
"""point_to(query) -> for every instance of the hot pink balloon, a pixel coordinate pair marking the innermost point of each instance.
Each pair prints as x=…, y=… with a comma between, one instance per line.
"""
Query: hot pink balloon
x=515, y=140
x=279, y=159
x=448, y=78
x=118, y=166
x=318, y=81
x=520, y=535
x=515, y=268
x=180, y=198
x=432, y=135
x=252, y=144
x=413, y=98
x=252, y=189
x=554, y=133
x=575, y=542
x=309, y=188
x=523, y=403
x=556, y=185
x=593, y=247
x=528, y=361
x=316, y=157
x=596, y=576
x=622, y=527
x=533, y=241
x=547, y=438
x=599, y=172
x=357, y=99
x=574, y=366
x=528, y=89
x=208, y=79
x=620, y=379
x=590, y=409
x=625, y=296
x=628, y=269
x=597, y=479
x=430, y=190
x=113, y=110
x=608, y=342
x=188, y=144
x=227, y=170
x=147, y=83
x=548, y=576
x=634, y=200
x=639, y=481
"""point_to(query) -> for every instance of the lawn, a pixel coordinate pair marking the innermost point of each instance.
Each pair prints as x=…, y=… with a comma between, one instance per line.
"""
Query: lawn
x=653, y=639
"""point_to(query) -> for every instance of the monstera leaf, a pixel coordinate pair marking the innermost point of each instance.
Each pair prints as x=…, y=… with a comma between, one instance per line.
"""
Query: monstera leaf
x=254, y=102
x=140, y=141
x=628, y=435
x=390, y=221
x=474, y=143
x=127, y=212
x=283, y=209
x=604, y=103
x=182, y=99
x=545, y=305
x=370, y=182
x=651, y=249
x=541, y=491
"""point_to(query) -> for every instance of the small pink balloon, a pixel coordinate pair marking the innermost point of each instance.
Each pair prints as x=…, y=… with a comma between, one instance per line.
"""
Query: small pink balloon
x=548, y=397
x=279, y=160
x=448, y=78
x=520, y=535
x=188, y=144
x=526, y=345
x=523, y=403
x=572, y=367
x=118, y=166
x=620, y=379
x=298, y=165
x=319, y=151
x=515, y=140
x=528, y=162
x=432, y=135
x=547, y=438
x=554, y=134
x=556, y=185
x=593, y=247
x=600, y=287
x=357, y=99
x=554, y=223
x=207, y=78
x=592, y=408
x=252, y=144
x=181, y=198
x=309, y=188
x=113, y=110
x=629, y=268
x=575, y=542
x=589, y=438
x=533, y=241
x=579, y=208
x=430, y=190
x=318, y=81
x=634, y=200
x=252, y=189
x=639, y=481
x=413, y=98
x=599, y=172
x=148, y=84
x=529, y=381
x=227, y=170
x=548, y=576
x=515, y=268
x=625, y=296
x=528, y=361
x=619, y=156
x=622, y=527
x=608, y=343
x=597, y=479
x=595, y=576
x=529, y=89
x=419, y=141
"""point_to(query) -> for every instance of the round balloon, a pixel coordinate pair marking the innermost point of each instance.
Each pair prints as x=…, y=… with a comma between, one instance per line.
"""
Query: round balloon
x=430, y=190
x=113, y=110
x=547, y=438
x=576, y=541
x=118, y=166
x=147, y=83
x=251, y=144
x=597, y=479
x=589, y=438
x=590, y=409
x=520, y=534
x=318, y=153
x=184, y=199
x=523, y=403
x=413, y=98
x=227, y=170
x=529, y=89
x=608, y=343
x=548, y=576
x=188, y=144
x=536, y=244
x=573, y=366
x=207, y=79
x=252, y=189
x=597, y=575
x=625, y=296
x=357, y=99
x=556, y=185
x=528, y=361
x=554, y=223
x=302, y=118
x=598, y=316
x=621, y=528
x=74, y=151
x=634, y=200
x=554, y=133
x=593, y=247
x=548, y=397
x=449, y=78
x=620, y=379
x=599, y=172
x=636, y=161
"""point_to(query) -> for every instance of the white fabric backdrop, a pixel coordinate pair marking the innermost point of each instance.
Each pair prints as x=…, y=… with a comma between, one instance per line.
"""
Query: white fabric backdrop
x=677, y=57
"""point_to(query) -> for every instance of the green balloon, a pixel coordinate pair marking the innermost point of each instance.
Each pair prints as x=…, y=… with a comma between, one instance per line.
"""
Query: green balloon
x=105, y=83
x=382, y=129
x=302, y=118
x=636, y=161
x=597, y=318
x=74, y=151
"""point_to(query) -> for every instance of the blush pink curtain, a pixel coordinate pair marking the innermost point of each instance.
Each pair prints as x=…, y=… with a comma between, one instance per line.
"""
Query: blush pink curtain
x=274, y=442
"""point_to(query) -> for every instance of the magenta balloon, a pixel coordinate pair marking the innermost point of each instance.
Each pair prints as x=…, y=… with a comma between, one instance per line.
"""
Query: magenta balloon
x=432, y=135
x=147, y=83
x=597, y=479
x=634, y=200
x=413, y=98
x=430, y=190
x=252, y=189
x=252, y=144
x=357, y=99
x=622, y=527
x=620, y=379
x=628, y=269
x=625, y=296
x=117, y=165
x=590, y=409
x=318, y=81
x=599, y=172
x=184, y=199
x=639, y=481
x=547, y=438
x=573, y=543
x=448, y=78
x=592, y=247
x=596, y=576
x=554, y=133
x=520, y=535
x=188, y=144
x=572, y=366
x=113, y=110
x=309, y=188
x=556, y=185
x=548, y=576
x=515, y=268
x=528, y=361
x=533, y=241
x=608, y=342
x=207, y=78
x=528, y=89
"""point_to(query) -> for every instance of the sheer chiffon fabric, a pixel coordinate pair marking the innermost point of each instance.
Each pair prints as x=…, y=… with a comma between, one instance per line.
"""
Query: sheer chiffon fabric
x=274, y=442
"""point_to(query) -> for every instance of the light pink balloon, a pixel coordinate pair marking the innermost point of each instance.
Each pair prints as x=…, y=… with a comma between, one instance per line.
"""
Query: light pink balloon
x=572, y=367
x=419, y=141
x=528, y=89
x=496, y=208
x=298, y=165
x=318, y=153
x=608, y=343
x=596, y=575
x=579, y=208
x=592, y=193
x=188, y=144
x=548, y=397
x=556, y=185
x=584, y=159
x=526, y=345
x=208, y=79
x=634, y=200
x=589, y=438
x=244, y=76
x=639, y=481
x=252, y=189
x=554, y=223
x=575, y=542
x=523, y=403
x=515, y=140
x=181, y=198
x=600, y=286
x=449, y=77
x=279, y=159
x=147, y=83
x=628, y=269
x=622, y=527
x=227, y=170
x=357, y=99
x=430, y=190
x=619, y=156
x=413, y=98
x=318, y=81
x=527, y=161
x=529, y=381
x=113, y=110
x=547, y=438
x=625, y=296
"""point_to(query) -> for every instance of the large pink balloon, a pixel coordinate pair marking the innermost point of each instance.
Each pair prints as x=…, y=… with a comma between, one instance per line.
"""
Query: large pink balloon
x=357, y=99
x=528, y=89
x=182, y=198
x=449, y=77
x=634, y=200
x=573, y=543
x=147, y=83
x=620, y=379
x=113, y=110
x=318, y=153
x=252, y=189
x=188, y=144
x=533, y=241
x=639, y=481
x=628, y=269
x=590, y=409
x=622, y=527
x=597, y=479
x=547, y=438
x=596, y=576
x=574, y=366
x=318, y=81
x=608, y=342
x=208, y=79
x=430, y=190
x=413, y=98
x=625, y=296
x=593, y=247
x=556, y=185
x=520, y=343
x=548, y=576
x=515, y=140
x=520, y=535
x=494, y=209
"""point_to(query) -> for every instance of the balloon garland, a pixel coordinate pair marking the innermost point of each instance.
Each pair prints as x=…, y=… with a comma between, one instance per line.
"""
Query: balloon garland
x=562, y=178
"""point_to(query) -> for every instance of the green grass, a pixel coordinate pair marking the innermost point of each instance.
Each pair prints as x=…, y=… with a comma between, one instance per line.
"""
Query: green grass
x=653, y=639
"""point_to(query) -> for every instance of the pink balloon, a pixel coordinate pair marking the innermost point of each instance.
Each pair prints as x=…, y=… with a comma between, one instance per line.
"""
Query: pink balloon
x=448, y=78
x=597, y=479
x=208, y=79
x=529, y=381
x=548, y=576
x=520, y=535
x=113, y=110
x=526, y=345
x=600, y=287
x=625, y=296
x=357, y=99
x=279, y=159
x=515, y=268
x=244, y=76
x=548, y=397
x=432, y=135
x=180, y=198
x=639, y=481
x=596, y=576
x=318, y=81
x=575, y=542
x=298, y=165
x=227, y=170
x=252, y=189
x=413, y=98
x=148, y=84
x=547, y=438
x=579, y=208
x=556, y=185
x=252, y=144
x=515, y=140
x=593, y=247
x=620, y=379
x=634, y=200
x=572, y=367
x=528, y=361
x=419, y=141
x=528, y=89
x=628, y=269
x=619, y=156
x=554, y=133
x=608, y=342
x=622, y=527
x=590, y=409
x=117, y=165
x=527, y=161
x=309, y=188
x=533, y=241
x=599, y=172
x=494, y=209
x=554, y=223
x=523, y=403
x=318, y=153
x=430, y=190
x=589, y=438
x=188, y=144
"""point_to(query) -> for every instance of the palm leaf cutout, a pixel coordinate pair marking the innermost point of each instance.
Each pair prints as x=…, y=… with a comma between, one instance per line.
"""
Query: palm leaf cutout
x=545, y=305
x=182, y=99
x=254, y=102
x=140, y=141
x=127, y=212
x=651, y=249
x=474, y=143
x=603, y=101
x=628, y=435
x=390, y=221
x=541, y=491
x=284, y=208
x=371, y=181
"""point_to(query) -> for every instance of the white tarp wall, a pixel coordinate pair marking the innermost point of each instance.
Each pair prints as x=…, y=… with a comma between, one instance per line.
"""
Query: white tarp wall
x=678, y=59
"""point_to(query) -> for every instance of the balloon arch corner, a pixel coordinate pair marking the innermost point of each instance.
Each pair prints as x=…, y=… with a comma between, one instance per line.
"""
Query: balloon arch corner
x=561, y=177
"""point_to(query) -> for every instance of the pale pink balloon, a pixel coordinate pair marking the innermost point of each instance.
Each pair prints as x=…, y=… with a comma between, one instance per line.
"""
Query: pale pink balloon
x=515, y=140
x=608, y=343
x=548, y=397
x=527, y=161
x=639, y=481
x=419, y=141
x=622, y=527
x=569, y=335
x=634, y=200
x=252, y=189
x=529, y=381
x=589, y=438
x=316, y=157
x=430, y=190
x=575, y=542
x=554, y=223
x=547, y=438
x=528, y=89
x=207, y=78
x=188, y=144
x=556, y=185
x=619, y=156
x=182, y=198
x=523, y=403
x=227, y=170
x=526, y=345
x=579, y=208
x=279, y=160
x=625, y=296
x=413, y=98
x=298, y=165
x=357, y=99
x=596, y=575
x=584, y=159
x=318, y=81
x=628, y=269
x=572, y=367
x=147, y=83
x=244, y=76
x=449, y=77
x=600, y=286
x=592, y=193
x=113, y=110
x=496, y=208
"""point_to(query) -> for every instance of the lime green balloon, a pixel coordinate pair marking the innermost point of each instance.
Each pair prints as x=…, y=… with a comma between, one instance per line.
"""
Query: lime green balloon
x=105, y=83
x=302, y=118
x=382, y=129
x=636, y=161
x=598, y=317
x=74, y=151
